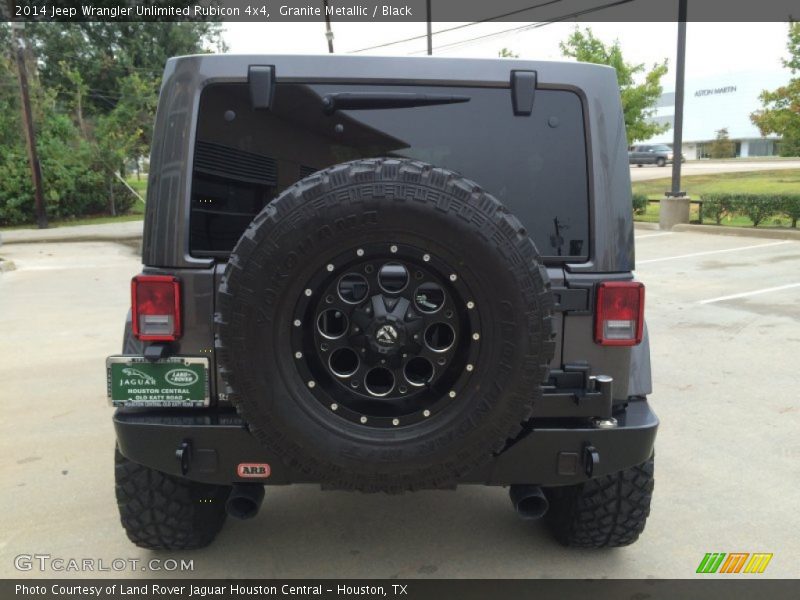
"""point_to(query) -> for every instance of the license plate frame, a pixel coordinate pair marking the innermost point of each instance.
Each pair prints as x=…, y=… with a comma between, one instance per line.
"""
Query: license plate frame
x=172, y=382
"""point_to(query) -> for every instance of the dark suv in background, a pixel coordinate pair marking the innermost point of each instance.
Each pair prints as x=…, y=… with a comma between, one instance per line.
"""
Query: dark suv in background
x=660, y=155
x=385, y=275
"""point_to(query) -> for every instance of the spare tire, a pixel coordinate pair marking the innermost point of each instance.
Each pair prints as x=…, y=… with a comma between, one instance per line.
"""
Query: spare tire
x=384, y=325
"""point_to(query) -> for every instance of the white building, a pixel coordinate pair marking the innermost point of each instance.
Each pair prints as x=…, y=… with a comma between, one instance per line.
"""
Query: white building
x=714, y=103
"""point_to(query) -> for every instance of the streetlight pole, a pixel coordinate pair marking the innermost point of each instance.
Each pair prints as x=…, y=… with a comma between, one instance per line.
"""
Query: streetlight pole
x=680, y=67
x=430, y=33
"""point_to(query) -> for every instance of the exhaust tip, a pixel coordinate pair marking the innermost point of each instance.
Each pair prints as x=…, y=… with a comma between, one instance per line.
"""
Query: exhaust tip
x=244, y=501
x=529, y=501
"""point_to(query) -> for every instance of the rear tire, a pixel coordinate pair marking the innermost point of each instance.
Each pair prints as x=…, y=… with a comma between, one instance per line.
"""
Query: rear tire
x=164, y=512
x=606, y=512
x=661, y=162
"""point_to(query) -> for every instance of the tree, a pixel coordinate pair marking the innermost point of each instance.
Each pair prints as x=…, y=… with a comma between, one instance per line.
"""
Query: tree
x=722, y=146
x=780, y=114
x=638, y=100
x=506, y=53
x=94, y=89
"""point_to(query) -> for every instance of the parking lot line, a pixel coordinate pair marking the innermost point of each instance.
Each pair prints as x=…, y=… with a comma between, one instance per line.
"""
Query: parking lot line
x=752, y=293
x=654, y=260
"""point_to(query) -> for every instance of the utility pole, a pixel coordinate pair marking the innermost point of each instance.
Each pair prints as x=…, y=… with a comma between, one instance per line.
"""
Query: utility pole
x=430, y=33
x=328, y=32
x=18, y=49
x=680, y=67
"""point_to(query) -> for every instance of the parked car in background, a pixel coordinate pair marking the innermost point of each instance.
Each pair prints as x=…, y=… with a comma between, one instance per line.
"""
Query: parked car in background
x=651, y=154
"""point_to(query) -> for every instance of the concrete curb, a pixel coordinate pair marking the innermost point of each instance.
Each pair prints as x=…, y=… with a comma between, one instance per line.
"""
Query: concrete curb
x=645, y=226
x=772, y=234
x=107, y=232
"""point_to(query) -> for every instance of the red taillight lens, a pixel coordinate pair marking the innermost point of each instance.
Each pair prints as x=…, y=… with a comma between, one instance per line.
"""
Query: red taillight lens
x=156, y=308
x=619, y=318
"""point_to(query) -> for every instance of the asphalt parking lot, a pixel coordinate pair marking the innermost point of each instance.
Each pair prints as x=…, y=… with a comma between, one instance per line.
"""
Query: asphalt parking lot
x=724, y=321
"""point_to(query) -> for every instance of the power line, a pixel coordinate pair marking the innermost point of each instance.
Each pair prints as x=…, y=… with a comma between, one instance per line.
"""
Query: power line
x=487, y=20
x=533, y=25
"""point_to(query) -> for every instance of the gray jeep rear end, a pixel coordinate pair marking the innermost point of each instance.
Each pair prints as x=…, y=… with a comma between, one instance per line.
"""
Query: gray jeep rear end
x=594, y=419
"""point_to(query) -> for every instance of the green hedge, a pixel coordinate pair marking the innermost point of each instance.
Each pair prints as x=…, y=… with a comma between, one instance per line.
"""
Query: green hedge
x=639, y=204
x=756, y=207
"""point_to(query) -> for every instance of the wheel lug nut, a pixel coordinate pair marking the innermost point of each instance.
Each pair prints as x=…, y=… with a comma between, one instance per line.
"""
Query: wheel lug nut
x=312, y=384
x=297, y=323
x=476, y=336
x=360, y=252
x=308, y=292
x=470, y=367
x=426, y=413
x=452, y=393
x=470, y=305
x=393, y=249
x=334, y=406
x=329, y=267
x=298, y=355
x=395, y=422
x=363, y=419
x=426, y=257
x=453, y=277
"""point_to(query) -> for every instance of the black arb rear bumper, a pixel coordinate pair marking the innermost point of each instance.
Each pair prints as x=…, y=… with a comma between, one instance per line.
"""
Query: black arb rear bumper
x=209, y=446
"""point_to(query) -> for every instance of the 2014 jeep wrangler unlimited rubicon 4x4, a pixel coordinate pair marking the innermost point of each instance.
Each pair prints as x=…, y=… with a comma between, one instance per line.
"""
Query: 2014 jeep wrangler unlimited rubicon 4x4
x=385, y=274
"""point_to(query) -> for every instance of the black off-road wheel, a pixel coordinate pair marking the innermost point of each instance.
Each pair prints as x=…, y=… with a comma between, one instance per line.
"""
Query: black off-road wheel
x=606, y=512
x=384, y=325
x=164, y=512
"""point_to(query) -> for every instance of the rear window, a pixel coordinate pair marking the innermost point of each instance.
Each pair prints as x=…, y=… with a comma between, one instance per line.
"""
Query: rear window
x=535, y=165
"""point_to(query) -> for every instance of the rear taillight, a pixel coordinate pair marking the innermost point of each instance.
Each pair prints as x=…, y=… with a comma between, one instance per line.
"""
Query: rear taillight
x=619, y=318
x=156, y=308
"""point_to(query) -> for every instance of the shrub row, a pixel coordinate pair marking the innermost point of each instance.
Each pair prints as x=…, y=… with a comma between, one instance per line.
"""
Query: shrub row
x=756, y=207
x=639, y=204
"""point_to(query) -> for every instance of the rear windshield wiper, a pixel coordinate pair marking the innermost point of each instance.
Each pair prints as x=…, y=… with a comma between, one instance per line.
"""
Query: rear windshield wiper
x=376, y=100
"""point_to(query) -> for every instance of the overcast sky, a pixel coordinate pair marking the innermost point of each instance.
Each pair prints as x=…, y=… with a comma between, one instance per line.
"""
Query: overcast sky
x=712, y=48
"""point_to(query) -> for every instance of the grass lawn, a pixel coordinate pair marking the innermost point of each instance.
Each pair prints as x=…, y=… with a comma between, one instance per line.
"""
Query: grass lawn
x=754, y=182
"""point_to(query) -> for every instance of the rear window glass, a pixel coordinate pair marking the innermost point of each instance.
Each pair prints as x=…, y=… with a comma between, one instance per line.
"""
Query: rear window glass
x=535, y=165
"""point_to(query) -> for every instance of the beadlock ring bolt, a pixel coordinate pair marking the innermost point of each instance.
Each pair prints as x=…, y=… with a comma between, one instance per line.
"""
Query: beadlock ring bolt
x=363, y=419
x=360, y=252
x=470, y=367
x=312, y=384
x=452, y=393
x=426, y=413
x=308, y=292
x=297, y=323
x=298, y=355
x=453, y=277
x=470, y=305
x=334, y=406
x=426, y=257
x=329, y=267
x=476, y=336
x=395, y=422
x=393, y=249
